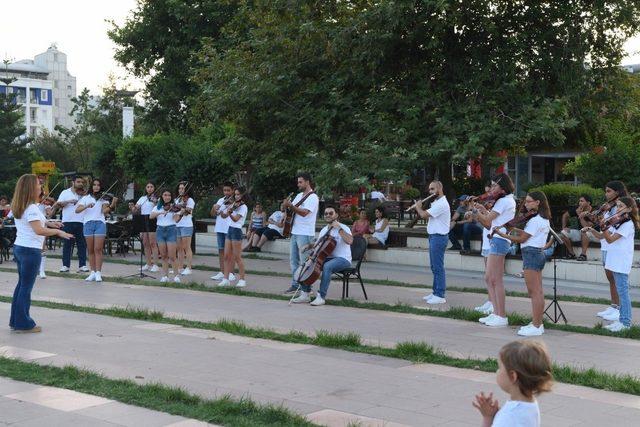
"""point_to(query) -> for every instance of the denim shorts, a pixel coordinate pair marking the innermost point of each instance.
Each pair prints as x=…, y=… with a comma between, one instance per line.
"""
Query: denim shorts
x=533, y=258
x=485, y=252
x=499, y=246
x=221, y=239
x=604, y=257
x=234, y=234
x=185, y=231
x=94, y=228
x=166, y=234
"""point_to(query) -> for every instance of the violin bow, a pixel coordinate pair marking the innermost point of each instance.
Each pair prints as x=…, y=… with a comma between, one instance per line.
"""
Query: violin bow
x=106, y=191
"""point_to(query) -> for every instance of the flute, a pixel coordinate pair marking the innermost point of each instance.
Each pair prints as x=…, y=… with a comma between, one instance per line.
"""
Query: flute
x=420, y=202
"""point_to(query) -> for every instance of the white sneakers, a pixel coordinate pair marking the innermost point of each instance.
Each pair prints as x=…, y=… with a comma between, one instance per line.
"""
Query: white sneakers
x=98, y=277
x=318, y=301
x=616, y=327
x=611, y=314
x=154, y=268
x=218, y=276
x=496, y=321
x=486, y=308
x=42, y=275
x=64, y=269
x=434, y=299
x=186, y=272
x=91, y=277
x=302, y=298
x=145, y=267
x=176, y=279
x=84, y=269
x=241, y=283
x=224, y=283
x=531, y=331
x=164, y=279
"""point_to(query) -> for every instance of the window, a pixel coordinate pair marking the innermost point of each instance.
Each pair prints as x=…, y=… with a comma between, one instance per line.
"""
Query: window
x=68, y=87
x=34, y=114
x=44, y=95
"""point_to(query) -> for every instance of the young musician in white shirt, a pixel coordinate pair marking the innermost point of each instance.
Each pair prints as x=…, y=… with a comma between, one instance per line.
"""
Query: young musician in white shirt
x=533, y=239
x=31, y=231
x=339, y=259
x=222, y=226
x=502, y=212
x=184, y=228
x=619, y=232
x=439, y=215
x=166, y=233
x=304, y=224
x=144, y=206
x=236, y=214
x=73, y=223
x=95, y=207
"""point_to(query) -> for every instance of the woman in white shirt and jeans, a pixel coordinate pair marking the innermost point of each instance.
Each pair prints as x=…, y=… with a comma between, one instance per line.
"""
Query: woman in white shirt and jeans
x=236, y=214
x=619, y=258
x=31, y=230
x=532, y=241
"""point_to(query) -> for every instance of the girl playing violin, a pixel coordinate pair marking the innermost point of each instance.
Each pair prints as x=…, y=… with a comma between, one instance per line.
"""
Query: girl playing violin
x=184, y=227
x=532, y=241
x=619, y=231
x=166, y=234
x=144, y=206
x=236, y=213
x=502, y=212
x=95, y=206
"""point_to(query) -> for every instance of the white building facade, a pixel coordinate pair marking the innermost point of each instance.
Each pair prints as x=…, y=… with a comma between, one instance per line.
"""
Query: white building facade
x=45, y=88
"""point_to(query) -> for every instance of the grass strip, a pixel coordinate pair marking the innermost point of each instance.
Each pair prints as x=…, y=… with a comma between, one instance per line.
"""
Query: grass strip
x=457, y=313
x=395, y=283
x=416, y=352
x=176, y=401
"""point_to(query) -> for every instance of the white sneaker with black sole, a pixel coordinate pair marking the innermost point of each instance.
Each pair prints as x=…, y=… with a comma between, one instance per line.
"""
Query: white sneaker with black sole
x=64, y=269
x=84, y=269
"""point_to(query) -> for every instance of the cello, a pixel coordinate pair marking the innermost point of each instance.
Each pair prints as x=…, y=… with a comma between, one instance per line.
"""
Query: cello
x=311, y=270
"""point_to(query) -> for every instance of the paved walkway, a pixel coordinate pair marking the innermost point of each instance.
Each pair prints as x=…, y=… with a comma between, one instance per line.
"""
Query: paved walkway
x=459, y=338
x=23, y=404
x=329, y=386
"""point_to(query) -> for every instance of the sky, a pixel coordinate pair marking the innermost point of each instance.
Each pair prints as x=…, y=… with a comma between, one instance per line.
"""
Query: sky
x=79, y=29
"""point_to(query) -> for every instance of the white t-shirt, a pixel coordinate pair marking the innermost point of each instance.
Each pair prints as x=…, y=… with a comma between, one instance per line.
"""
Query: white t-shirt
x=486, y=243
x=620, y=252
x=276, y=217
x=506, y=209
x=377, y=195
x=25, y=236
x=383, y=235
x=517, y=414
x=69, y=211
x=187, y=219
x=165, y=219
x=242, y=211
x=306, y=225
x=440, y=216
x=222, y=224
x=538, y=228
x=146, y=205
x=603, y=243
x=94, y=213
x=342, y=249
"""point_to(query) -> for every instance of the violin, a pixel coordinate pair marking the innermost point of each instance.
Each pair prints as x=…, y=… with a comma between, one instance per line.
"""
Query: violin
x=516, y=222
x=615, y=220
x=594, y=216
x=487, y=199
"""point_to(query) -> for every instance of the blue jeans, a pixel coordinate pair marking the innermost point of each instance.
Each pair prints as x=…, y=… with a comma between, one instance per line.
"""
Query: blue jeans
x=622, y=286
x=296, y=253
x=28, y=260
x=76, y=229
x=437, y=246
x=330, y=266
x=468, y=230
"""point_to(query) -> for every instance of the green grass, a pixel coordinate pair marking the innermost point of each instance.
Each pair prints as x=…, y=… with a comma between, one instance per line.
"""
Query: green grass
x=457, y=313
x=416, y=352
x=225, y=410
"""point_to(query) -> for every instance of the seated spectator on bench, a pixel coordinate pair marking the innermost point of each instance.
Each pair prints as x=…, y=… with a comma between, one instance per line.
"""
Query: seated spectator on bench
x=4, y=206
x=570, y=235
x=459, y=220
x=258, y=218
x=271, y=232
x=378, y=196
x=381, y=229
x=361, y=226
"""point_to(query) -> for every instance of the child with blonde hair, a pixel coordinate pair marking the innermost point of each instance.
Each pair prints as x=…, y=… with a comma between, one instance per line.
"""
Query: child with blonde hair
x=524, y=371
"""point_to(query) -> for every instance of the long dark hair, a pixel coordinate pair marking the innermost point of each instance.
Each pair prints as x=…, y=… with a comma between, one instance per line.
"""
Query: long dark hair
x=543, y=207
x=504, y=182
x=631, y=203
x=161, y=202
x=95, y=195
x=618, y=187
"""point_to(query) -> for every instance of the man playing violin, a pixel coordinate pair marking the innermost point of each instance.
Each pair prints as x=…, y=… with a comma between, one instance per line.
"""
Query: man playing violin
x=72, y=223
x=338, y=260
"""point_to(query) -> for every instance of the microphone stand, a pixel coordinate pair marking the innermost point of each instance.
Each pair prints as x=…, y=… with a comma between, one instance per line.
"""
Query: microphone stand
x=141, y=274
x=557, y=310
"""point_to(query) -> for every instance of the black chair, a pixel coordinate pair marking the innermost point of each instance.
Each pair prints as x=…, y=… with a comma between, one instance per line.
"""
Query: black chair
x=358, y=250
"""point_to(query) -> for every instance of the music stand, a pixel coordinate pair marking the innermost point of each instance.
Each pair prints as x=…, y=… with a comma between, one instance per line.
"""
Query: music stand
x=557, y=310
x=140, y=225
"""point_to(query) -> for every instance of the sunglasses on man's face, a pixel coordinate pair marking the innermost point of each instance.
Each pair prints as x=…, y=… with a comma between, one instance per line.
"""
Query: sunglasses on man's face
x=328, y=213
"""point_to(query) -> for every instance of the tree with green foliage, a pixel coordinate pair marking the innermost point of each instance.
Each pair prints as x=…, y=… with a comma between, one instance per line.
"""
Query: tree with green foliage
x=16, y=156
